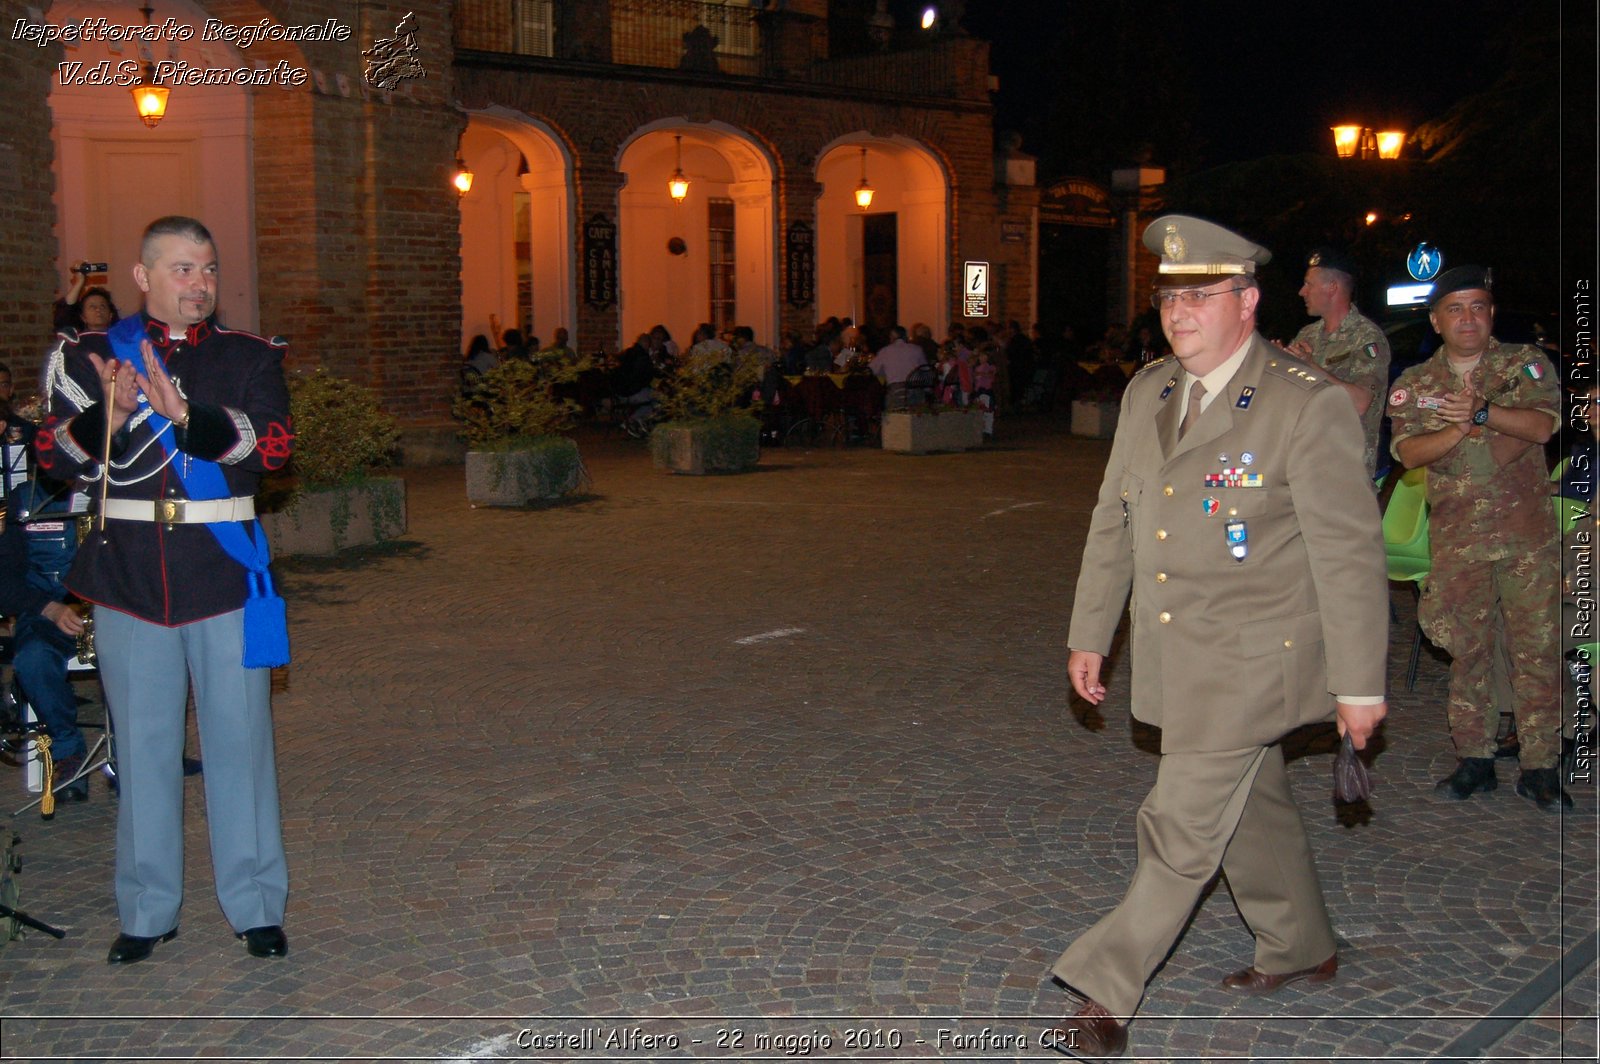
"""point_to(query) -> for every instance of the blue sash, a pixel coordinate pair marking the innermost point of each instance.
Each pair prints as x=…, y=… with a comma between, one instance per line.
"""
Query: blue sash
x=266, y=624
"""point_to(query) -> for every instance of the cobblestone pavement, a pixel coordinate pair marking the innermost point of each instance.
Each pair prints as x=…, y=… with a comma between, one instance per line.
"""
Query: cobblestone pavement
x=783, y=763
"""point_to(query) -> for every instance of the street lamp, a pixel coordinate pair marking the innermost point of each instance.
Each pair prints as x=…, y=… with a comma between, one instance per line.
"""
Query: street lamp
x=1352, y=141
x=463, y=177
x=1389, y=143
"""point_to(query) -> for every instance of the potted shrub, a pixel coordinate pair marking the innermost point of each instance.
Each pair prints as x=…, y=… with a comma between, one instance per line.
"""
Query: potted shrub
x=705, y=430
x=329, y=499
x=514, y=428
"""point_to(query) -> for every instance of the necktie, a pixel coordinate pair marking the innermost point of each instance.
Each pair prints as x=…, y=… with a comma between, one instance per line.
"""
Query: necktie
x=1197, y=392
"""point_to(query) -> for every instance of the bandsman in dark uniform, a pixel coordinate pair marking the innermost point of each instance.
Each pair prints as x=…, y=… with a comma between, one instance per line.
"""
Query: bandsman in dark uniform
x=192, y=414
x=1237, y=511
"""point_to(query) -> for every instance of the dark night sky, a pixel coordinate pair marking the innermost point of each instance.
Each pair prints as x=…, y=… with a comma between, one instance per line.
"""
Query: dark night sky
x=1270, y=76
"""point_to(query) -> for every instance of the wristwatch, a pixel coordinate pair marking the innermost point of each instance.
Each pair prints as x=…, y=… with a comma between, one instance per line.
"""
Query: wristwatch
x=1480, y=416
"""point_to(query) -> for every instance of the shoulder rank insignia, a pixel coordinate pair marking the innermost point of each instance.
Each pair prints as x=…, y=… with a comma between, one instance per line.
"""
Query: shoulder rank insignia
x=1246, y=395
x=1171, y=384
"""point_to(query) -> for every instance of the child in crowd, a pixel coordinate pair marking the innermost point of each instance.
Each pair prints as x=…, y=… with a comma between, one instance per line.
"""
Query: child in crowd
x=955, y=379
x=983, y=376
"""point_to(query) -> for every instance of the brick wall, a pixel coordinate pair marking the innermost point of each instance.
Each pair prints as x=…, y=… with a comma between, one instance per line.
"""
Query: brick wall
x=27, y=212
x=356, y=224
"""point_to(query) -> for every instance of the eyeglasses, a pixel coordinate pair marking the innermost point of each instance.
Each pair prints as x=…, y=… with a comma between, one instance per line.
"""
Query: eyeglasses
x=1189, y=297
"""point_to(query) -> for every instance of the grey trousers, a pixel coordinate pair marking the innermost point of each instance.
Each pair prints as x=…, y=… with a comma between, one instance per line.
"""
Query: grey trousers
x=1231, y=809
x=146, y=669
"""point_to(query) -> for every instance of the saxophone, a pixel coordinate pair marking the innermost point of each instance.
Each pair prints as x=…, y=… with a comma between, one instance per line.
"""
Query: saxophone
x=85, y=647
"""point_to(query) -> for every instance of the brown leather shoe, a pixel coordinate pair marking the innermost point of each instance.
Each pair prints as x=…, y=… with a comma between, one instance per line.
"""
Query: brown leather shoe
x=1254, y=981
x=1090, y=1033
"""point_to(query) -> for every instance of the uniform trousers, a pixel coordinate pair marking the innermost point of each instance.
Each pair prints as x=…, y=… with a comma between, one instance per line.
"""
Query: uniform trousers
x=1231, y=809
x=146, y=669
x=1465, y=607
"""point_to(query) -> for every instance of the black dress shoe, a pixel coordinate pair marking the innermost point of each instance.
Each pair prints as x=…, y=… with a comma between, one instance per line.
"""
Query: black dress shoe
x=1471, y=774
x=267, y=941
x=1543, y=786
x=77, y=790
x=129, y=948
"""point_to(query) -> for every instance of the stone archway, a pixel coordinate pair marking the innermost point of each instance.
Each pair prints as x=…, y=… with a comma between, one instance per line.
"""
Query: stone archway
x=891, y=259
x=517, y=253
x=726, y=225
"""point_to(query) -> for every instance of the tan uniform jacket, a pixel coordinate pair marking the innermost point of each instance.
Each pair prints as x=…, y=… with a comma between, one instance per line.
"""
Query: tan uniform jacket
x=1229, y=653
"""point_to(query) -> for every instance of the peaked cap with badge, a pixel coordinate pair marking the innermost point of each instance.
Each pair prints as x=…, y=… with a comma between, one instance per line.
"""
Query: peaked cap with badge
x=1197, y=252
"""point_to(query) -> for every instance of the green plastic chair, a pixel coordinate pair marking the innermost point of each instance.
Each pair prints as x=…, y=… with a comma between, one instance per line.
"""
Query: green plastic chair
x=1405, y=542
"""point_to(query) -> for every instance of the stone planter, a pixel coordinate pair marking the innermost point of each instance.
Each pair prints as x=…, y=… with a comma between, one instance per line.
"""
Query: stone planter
x=1098, y=420
x=547, y=470
x=326, y=521
x=947, y=430
x=722, y=445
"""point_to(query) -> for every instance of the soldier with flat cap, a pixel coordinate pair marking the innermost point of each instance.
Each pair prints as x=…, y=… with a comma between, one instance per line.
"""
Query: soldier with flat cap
x=1345, y=343
x=1236, y=511
x=1477, y=414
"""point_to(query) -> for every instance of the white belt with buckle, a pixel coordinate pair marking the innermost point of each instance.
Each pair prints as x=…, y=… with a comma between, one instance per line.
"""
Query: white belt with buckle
x=181, y=511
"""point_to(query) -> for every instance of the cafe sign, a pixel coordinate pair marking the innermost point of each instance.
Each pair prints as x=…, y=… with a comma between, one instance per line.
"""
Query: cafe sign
x=600, y=262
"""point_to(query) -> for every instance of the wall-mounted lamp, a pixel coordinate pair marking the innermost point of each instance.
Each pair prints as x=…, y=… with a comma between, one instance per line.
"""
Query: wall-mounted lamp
x=463, y=177
x=677, y=184
x=864, y=190
x=149, y=98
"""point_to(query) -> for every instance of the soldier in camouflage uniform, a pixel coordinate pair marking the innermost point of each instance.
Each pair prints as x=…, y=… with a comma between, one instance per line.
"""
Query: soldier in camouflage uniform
x=1476, y=414
x=1345, y=342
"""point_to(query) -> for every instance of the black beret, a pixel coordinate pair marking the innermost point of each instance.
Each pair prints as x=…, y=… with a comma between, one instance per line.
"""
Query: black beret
x=1461, y=279
x=1331, y=258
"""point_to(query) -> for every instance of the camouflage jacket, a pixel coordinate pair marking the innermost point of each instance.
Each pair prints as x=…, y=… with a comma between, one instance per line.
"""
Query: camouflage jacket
x=1479, y=510
x=1357, y=353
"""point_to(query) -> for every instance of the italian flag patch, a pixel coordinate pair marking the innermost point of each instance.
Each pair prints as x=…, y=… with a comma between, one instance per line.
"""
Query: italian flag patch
x=1534, y=370
x=1371, y=350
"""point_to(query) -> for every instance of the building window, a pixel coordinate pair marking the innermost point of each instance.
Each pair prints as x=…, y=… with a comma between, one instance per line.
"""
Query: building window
x=533, y=27
x=719, y=240
x=719, y=36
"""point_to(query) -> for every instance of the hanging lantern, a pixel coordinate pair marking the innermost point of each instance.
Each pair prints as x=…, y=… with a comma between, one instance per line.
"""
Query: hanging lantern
x=677, y=184
x=864, y=190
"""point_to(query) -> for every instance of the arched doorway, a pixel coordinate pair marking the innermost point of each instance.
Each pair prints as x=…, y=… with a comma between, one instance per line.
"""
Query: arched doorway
x=1077, y=231
x=711, y=257
x=113, y=176
x=517, y=256
x=886, y=263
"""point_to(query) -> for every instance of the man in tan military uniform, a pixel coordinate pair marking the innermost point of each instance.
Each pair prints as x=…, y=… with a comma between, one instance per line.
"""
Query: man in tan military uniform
x=1347, y=344
x=1477, y=414
x=1236, y=508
